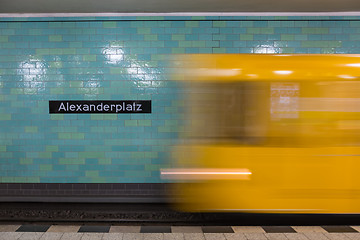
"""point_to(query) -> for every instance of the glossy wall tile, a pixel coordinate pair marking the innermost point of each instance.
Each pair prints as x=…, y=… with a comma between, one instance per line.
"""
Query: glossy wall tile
x=101, y=58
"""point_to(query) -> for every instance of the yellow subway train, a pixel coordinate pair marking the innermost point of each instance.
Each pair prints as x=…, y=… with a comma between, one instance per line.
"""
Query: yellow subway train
x=268, y=134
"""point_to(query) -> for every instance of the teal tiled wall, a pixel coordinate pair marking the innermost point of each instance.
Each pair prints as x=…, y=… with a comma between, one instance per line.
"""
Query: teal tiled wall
x=44, y=59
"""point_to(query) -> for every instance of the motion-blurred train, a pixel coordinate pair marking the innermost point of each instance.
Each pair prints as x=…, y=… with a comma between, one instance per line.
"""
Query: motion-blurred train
x=269, y=134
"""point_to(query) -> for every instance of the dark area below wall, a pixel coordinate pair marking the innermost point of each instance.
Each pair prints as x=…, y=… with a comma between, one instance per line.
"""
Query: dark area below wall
x=153, y=214
x=84, y=192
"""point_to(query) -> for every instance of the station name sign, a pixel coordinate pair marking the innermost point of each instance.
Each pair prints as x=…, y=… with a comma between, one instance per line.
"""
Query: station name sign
x=121, y=106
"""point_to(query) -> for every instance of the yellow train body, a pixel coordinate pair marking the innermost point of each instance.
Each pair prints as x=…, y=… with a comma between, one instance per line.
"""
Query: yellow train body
x=269, y=133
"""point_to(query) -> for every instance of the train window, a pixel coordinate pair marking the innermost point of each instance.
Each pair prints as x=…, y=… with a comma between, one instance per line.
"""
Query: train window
x=315, y=113
x=288, y=114
x=284, y=100
x=233, y=111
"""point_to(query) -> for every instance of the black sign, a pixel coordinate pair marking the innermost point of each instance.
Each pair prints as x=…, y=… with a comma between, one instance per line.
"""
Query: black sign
x=122, y=106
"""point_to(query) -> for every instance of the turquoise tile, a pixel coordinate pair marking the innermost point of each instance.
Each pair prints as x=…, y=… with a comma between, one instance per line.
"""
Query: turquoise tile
x=226, y=44
x=294, y=30
x=115, y=59
x=229, y=37
x=350, y=31
x=226, y=30
x=232, y=50
x=315, y=37
x=281, y=30
x=260, y=24
x=262, y=37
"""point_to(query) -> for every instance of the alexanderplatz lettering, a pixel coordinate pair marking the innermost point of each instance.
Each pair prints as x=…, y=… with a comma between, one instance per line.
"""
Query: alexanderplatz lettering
x=126, y=106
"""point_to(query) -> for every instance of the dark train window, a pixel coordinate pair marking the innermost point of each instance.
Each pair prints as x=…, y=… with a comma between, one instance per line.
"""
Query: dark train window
x=232, y=111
